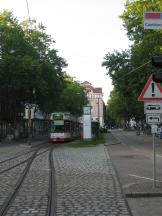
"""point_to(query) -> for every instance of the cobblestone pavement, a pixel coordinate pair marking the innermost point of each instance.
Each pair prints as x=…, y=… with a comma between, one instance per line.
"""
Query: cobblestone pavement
x=10, y=151
x=6, y=164
x=32, y=198
x=8, y=181
x=12, y=147
x=87, y=184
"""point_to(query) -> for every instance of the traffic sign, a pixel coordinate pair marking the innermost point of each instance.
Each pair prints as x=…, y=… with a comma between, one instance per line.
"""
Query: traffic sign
x=153, y=20
x=154, y=129
x=152, y=91
x=153, y=118
x=152, y=107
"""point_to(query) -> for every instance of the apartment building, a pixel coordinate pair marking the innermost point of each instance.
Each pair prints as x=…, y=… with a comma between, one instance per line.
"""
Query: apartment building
x=95, y=98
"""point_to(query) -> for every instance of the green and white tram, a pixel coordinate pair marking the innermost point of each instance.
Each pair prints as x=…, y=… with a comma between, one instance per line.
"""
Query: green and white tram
x=64, y=127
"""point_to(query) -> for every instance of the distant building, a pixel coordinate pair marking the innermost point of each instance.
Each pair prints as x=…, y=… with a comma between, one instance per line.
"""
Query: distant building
x=95, y=98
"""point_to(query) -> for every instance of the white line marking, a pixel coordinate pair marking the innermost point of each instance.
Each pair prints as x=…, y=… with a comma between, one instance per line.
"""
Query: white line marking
x=143, y=177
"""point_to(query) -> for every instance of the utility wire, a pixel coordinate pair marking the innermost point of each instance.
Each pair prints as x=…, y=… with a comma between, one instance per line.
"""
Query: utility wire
x=27, y=5
x=28, y=9
x=134, y=69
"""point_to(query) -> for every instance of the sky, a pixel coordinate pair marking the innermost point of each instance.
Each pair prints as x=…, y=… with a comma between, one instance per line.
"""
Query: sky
x=84, y=32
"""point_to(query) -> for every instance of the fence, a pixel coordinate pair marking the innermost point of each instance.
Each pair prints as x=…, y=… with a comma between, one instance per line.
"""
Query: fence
x=19, y=129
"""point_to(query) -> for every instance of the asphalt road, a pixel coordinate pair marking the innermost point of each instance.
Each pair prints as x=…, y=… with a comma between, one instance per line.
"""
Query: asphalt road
x=132, y=156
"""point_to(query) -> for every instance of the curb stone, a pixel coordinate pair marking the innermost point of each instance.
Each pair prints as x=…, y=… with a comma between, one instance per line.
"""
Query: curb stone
x=118, y=179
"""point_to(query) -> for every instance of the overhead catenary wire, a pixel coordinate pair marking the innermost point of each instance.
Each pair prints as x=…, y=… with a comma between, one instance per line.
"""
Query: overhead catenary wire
x=27, y=5
x=130, y=72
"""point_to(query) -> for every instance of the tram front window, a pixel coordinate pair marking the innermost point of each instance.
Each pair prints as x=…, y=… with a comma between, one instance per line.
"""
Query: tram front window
x=59, y=128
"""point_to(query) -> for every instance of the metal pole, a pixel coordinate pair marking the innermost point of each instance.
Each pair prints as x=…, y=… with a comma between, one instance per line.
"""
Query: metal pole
x=154, y=160
x=98, y=112
x=29, y=126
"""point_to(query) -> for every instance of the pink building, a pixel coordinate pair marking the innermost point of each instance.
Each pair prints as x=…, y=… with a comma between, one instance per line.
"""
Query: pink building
x=96, y=102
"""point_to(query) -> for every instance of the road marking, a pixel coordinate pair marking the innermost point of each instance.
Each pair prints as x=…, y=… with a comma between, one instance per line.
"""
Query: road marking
x=143, y=177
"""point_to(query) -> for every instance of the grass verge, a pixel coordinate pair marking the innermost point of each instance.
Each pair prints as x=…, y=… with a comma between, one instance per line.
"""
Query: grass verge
x=87, y=143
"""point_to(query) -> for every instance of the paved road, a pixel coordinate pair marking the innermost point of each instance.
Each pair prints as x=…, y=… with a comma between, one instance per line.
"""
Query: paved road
x=86, y=181
x=132, y=157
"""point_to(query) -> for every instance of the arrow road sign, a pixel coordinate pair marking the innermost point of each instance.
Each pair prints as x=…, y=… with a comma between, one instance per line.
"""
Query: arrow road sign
x=152, y=107
x=153, y=118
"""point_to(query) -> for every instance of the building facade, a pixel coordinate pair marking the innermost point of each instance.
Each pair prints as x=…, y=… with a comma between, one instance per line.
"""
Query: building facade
x=95, y=98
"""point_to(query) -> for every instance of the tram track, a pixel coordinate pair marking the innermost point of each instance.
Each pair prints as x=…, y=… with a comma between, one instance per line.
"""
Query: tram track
x=33, y=184
x=52, y=187
x=11, y=196
x=16, y=160
x=20, y=153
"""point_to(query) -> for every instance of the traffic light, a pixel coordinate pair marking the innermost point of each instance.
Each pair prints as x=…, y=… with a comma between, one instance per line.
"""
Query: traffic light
x=157, y=61
x=157, y=77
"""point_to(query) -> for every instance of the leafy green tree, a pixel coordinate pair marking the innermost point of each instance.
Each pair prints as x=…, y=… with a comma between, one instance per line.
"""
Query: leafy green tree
x=119, y=65
x=146, y=43
x=133, y=18
x=73, y=97
x=130, y=69
x=28, y=62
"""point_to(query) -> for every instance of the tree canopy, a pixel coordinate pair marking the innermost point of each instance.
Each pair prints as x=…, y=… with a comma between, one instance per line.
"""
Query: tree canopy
x=29, y=61
x=73, y=97
x=130, y=69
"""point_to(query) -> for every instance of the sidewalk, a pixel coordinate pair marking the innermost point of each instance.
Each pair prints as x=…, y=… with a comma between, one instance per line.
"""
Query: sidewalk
x=142, y=197
x=144, y=189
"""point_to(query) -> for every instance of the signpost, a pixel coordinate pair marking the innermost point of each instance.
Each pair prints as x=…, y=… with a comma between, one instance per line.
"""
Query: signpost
x=152, y=92
x=153, y=118
x=152, y=107
x=153, y=20
x=151, y=95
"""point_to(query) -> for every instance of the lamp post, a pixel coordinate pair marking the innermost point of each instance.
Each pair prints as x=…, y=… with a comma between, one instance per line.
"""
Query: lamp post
x=98, y=110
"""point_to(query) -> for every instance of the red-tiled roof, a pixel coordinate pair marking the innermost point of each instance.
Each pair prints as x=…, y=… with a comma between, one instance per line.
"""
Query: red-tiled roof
x=88, y=86
x=86, y=83
x=97, y=90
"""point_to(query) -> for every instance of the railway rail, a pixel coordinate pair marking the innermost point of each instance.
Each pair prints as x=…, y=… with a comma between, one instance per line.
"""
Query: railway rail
x=13, y=153
x=52, y=188
x=16, y=160
x=28, y=183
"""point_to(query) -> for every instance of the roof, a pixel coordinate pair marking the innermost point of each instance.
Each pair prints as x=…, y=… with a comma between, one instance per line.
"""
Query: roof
x=86, y=83
x=97, y=90
x=88, y=86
